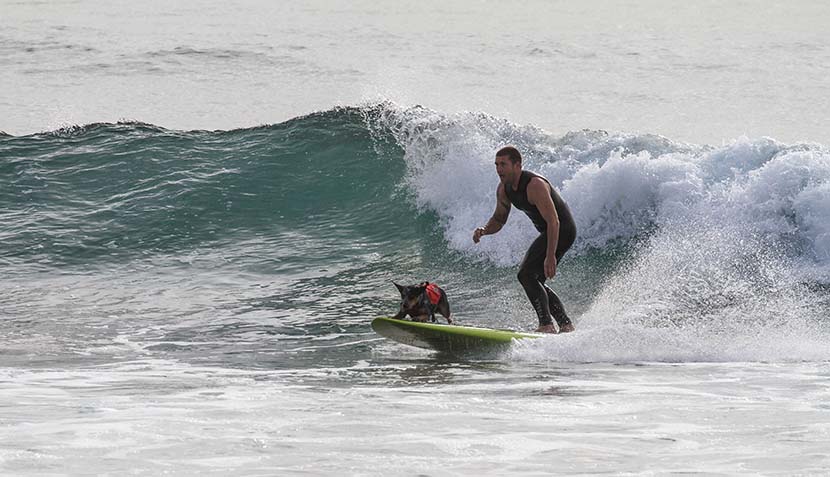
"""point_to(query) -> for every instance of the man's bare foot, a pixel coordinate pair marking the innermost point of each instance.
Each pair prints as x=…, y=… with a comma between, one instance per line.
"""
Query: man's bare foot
x=546, y=329
x=566, y=328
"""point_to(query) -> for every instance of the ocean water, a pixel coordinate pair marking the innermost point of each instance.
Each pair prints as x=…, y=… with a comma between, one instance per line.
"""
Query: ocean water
x=203, y=206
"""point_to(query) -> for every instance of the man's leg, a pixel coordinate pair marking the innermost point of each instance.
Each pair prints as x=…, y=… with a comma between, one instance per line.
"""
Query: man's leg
x=557, y=310
x=555, y=304
x=532, y=277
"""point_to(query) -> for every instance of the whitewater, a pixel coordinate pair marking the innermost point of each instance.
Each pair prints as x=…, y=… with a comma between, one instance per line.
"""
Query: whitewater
x=185, y=292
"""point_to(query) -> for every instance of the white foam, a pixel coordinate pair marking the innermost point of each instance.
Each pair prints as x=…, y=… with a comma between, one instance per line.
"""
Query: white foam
x=728, y=236
x=627, y=343
x=617, y=185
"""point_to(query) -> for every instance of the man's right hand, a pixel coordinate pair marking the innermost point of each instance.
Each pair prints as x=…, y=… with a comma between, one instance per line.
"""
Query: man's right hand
x=477, y=234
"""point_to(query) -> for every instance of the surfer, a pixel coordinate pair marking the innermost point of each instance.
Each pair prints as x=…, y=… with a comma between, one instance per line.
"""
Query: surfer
x=536, y=197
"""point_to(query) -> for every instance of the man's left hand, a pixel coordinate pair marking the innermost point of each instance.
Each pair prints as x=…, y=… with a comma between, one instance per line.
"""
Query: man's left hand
x=550, y=266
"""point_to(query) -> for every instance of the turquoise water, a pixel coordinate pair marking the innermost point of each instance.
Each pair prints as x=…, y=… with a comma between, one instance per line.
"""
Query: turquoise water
x=297, y=230
x=209, y=294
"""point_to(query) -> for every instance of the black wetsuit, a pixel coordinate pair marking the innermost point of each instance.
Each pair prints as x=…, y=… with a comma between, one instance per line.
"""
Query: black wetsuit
x=532, y=271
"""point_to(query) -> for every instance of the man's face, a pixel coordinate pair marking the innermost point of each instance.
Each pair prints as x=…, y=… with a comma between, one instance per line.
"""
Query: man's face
x=506, y=169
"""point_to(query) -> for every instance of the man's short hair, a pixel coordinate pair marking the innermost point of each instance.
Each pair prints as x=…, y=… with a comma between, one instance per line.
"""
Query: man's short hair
x=511, y=152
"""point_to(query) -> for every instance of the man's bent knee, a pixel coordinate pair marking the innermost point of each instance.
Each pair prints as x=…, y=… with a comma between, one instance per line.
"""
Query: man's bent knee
x=527, y=278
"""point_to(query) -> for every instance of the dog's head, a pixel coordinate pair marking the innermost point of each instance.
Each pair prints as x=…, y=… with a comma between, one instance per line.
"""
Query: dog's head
x=411, y=295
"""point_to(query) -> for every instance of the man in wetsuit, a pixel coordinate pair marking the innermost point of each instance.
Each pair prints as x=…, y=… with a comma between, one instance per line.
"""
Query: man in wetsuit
x=533, y=195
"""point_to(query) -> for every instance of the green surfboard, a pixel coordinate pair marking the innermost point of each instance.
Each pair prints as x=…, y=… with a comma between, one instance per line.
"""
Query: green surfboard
x=448, y=338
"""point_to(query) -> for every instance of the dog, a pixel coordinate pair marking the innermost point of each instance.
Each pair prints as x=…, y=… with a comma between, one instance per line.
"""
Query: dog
x=421, y=301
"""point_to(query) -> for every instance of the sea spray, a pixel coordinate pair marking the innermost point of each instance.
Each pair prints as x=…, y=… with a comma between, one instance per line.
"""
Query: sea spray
x=702, y=247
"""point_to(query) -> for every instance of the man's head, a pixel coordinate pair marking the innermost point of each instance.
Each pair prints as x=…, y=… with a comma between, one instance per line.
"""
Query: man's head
x=508, y=164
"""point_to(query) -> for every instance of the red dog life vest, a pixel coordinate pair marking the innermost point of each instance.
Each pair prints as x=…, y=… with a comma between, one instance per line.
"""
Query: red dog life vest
x=433, y=293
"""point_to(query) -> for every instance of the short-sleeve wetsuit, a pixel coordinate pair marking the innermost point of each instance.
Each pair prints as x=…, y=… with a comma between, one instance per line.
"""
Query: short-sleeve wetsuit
x=532, y=270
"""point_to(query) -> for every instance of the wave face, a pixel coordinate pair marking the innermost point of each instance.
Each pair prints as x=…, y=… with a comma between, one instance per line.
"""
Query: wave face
x=109, y=191
x=695, y=252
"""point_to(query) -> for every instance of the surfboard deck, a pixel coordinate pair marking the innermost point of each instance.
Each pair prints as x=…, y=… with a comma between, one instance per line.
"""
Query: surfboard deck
x=448, y=338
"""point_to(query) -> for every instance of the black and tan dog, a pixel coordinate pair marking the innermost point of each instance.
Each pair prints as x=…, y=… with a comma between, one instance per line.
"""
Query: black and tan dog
x=421, y=301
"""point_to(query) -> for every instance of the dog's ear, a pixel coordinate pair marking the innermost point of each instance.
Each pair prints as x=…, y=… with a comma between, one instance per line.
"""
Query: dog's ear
x=400, y=288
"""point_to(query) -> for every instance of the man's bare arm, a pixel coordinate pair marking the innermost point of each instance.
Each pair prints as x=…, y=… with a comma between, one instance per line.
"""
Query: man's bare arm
x=538, y=193
x=499, y=217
